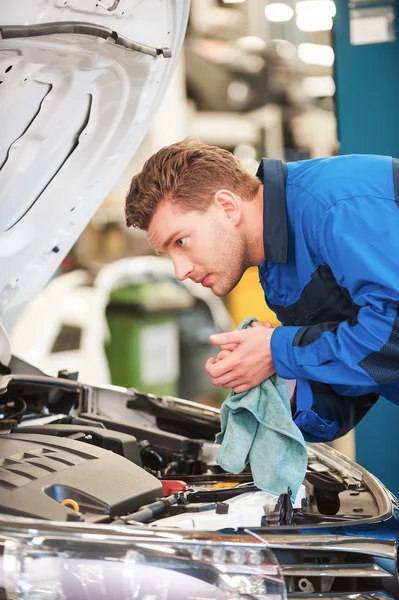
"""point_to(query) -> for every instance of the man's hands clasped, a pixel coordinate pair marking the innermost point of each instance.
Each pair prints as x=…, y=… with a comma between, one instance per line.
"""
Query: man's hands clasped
x=245, y=359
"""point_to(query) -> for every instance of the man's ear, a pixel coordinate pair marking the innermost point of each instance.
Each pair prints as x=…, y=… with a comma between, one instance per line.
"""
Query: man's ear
x=230, y=203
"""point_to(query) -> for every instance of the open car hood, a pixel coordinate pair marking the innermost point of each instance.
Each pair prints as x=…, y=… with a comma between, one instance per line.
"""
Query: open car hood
x=80, y=81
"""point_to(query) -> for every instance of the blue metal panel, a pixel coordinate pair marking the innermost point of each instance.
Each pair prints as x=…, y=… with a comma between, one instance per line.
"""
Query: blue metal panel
x=367, y=79
x=377, y=443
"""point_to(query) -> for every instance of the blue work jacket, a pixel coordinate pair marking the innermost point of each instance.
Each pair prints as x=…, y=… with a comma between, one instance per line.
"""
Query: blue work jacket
x=331, y=275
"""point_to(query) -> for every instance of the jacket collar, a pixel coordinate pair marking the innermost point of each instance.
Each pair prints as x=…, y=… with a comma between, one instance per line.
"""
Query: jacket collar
x=273, y=175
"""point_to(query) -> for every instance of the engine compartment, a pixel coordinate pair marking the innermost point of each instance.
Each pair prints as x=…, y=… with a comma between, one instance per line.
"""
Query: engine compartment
x=116, y=458
x=62, y=458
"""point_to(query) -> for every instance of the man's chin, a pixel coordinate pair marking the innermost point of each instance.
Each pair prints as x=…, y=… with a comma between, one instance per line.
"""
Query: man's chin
x=220, y=291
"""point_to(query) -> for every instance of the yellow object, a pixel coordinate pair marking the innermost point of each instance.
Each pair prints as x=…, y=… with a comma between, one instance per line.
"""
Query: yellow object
x=224, y=484
x=72, y=503
x=247, y=299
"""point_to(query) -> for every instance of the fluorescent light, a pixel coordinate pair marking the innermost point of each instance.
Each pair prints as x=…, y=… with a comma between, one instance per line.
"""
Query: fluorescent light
x=319, y=87
x=315, y=15
x=316, y=54
x=314, y=22
x=233, y=1
x=321, y=7
x=278, y=12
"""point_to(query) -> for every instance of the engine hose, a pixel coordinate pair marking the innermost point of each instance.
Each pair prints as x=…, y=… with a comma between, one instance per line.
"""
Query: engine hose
x=219, y=495
x=150, y=511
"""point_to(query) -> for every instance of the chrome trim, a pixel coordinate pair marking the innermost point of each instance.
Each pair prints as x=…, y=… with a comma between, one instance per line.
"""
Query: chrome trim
x=24, y=527
x=342, y=596
x=335, y=570
x=361, y=545
x=18, y=31
x=329, y=543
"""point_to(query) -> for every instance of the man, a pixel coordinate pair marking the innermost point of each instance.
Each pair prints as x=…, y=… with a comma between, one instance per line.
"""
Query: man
x=325, y=236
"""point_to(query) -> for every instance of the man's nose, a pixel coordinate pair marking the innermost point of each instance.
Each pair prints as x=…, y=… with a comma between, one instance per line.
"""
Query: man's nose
x=183, y=268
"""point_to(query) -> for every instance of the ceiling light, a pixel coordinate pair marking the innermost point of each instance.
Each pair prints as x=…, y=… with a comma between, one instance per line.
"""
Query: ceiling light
x=315, y=15
x=314, y=22
x=316, y=54
x=321, y=7
x=278, y=12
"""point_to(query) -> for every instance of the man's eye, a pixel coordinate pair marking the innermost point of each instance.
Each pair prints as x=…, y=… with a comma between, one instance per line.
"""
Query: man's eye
x=181, y=242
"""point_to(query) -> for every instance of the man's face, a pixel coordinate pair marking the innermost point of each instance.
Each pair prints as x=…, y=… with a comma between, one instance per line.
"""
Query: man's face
x=205, y=247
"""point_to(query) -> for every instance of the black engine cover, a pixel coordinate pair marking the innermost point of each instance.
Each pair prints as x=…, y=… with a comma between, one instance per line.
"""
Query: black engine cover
x=38, y=472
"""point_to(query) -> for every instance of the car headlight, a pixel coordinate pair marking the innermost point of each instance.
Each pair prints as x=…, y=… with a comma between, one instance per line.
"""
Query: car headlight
x=167, y=567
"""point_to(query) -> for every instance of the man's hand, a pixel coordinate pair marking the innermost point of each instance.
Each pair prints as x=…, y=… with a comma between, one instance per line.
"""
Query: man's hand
x=245, y=360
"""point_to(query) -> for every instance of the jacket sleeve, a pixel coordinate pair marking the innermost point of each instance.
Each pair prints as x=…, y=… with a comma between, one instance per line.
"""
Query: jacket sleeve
x=358, y=239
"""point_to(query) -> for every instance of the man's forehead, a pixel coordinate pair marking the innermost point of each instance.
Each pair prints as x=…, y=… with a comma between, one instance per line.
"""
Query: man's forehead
x=155, y=239
x=159, y=237
x=158, y=224
x=166, y=222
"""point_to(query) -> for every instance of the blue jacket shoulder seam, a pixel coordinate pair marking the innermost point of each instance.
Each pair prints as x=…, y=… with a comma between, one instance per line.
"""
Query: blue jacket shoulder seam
x=305, y=189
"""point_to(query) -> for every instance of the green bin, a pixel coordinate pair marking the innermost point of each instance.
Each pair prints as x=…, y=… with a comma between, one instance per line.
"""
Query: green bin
x=143, y=349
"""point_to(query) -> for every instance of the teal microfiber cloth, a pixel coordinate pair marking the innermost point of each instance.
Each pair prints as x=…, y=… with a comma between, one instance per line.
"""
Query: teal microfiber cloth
x=257, y=428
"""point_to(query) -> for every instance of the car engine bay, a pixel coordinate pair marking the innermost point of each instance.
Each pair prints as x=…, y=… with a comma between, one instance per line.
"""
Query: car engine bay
x=66, y=456
x=51, y=451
